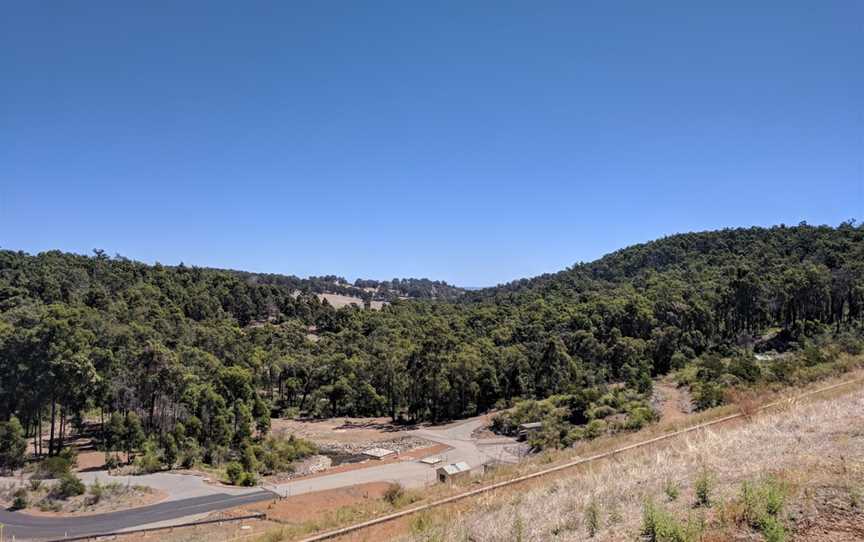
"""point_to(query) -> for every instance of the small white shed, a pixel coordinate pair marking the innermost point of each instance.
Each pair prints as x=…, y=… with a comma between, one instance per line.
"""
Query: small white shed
x=453, y=471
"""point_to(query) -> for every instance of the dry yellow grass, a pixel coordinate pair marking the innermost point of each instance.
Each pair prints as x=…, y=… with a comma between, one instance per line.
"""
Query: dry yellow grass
x=804, y=441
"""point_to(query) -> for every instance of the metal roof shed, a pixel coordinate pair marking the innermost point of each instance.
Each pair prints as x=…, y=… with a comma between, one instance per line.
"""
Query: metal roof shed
x=453, y=471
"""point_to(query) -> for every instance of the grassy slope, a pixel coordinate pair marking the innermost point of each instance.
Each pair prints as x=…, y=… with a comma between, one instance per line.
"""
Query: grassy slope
x=815, y=450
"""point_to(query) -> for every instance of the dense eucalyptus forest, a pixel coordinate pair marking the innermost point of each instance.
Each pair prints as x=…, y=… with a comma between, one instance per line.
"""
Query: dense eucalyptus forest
x=217, y=353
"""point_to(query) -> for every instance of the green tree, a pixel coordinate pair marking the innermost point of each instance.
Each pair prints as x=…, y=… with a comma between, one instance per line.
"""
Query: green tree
x=13, y=445
x=133, y=435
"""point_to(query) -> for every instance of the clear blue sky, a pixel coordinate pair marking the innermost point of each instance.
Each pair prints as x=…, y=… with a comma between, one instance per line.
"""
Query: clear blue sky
x=475, y=142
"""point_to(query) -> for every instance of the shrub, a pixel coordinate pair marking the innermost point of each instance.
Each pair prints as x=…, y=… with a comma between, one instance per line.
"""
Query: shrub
x=745, y=368
x=248, y=458
x=170, y=450
x=148, y=463
x=707, y=395
x=54, y=467
x=96, y=492
x=277, y=454
x=70, y=455
x=659, y=526
x=20, y=501
x=247, y=479
x=762, y=504
x=592, y=518
x=672, y=490
x=49, y=505
x=601, y=412
x=69, y=486
x=394, y=494
x=594, y=429
x=234, y=471
x=773, y=530
x=35, y=484
x=191, y=453
x=639, y=417
x=702, y=488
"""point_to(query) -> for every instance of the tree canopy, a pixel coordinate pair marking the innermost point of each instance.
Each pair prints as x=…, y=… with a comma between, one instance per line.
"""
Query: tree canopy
x=217, y=352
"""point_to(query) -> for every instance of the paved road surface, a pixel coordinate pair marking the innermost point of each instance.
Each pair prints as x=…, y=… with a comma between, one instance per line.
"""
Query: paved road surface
x=34, y=527
x=177, y=486
x=189, y=495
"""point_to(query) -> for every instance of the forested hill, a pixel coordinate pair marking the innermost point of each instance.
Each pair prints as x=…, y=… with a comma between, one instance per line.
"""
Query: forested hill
x=366, y=289
x=706, y=257
x=214, y=349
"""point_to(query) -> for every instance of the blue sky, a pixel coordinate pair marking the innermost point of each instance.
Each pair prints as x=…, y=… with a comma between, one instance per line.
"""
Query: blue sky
x=475, y=142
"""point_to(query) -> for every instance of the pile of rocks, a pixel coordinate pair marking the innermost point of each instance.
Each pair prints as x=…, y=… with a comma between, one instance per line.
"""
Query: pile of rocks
x=398, y=445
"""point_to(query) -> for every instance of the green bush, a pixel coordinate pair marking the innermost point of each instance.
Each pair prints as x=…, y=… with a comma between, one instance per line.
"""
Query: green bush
x=277, y=454
x=773, y=530
x=247, y=479
x=20, y=500
x=672, y=490
x=594, y=429
x=707, y=395
x=639, y=417
x=49, y=505
x=96, y=492
x=234, y=471
x=601, y=412
x=659, y=526
x=190, y=453
x=149, y=461
x=69, y=486
x=70, y=455
x=54, y=467
x=762, y=504
x=703, y=487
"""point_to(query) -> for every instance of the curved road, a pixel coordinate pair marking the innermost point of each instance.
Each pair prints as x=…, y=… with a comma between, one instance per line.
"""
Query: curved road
x=27, y=527
x=408, y=473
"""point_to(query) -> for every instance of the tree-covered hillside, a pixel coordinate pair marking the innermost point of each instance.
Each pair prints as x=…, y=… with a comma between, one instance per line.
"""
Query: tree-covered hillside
x=365, y=289
x=219, y=351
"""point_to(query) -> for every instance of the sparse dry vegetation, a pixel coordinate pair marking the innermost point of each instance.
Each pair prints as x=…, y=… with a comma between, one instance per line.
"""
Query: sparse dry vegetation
x=774, y=477
x=70, y=495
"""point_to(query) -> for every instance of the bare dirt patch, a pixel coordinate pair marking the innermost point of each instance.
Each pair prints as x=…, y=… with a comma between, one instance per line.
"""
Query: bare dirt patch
x=672, y=402
x=340, y=430
x=89, y=460
x=831, y=518
x=312, y=506
x=338, y=301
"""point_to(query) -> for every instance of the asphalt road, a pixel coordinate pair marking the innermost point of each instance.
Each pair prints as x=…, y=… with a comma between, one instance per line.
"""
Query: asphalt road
x=27, y=527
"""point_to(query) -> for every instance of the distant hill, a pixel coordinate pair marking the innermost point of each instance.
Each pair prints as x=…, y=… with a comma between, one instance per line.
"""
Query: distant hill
x=362, y=289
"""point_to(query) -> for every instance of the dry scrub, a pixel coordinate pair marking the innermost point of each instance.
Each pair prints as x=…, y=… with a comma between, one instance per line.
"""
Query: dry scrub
x=810, y=445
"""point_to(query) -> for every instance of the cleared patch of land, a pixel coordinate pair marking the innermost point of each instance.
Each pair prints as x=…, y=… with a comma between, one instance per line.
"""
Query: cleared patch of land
x=338, y=301
x=349, y=434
